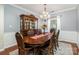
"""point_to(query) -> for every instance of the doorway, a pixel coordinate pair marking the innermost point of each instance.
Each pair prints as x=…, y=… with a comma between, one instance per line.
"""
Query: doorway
x=54, y=22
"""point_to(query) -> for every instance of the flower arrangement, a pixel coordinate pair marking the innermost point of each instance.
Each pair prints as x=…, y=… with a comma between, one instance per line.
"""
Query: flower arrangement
x=44, y=26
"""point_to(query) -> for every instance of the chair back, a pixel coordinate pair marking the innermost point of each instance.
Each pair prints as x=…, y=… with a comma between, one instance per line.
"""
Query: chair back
x=52, y=39
x=51, y=44
x=52, y=30
x=19, y=40
x=57, y=35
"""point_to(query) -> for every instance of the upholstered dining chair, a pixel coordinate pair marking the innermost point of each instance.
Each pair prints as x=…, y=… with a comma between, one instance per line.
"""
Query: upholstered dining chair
x=21, y=46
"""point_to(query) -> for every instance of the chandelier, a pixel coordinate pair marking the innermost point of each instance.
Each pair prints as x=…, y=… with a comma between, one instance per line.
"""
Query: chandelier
x=45, y=15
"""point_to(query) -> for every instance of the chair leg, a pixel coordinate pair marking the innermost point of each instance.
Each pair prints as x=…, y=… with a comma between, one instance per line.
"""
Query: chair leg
x=35, y=51
x=22, y=52
x=57, y=44
x=50, y=50
x=40, y=51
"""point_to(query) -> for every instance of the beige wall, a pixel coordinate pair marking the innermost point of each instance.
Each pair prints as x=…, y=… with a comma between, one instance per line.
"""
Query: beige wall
x=1, y=27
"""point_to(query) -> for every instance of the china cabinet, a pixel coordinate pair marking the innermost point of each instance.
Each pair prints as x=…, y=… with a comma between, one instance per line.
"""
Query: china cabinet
x=27, y=22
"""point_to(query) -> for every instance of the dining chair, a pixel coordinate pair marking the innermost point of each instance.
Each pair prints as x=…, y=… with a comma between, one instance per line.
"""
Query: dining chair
x=57, y=37
x=52, y=45
x=21, y=46
x=52, y=30
x=47, y=47
x=55, y=40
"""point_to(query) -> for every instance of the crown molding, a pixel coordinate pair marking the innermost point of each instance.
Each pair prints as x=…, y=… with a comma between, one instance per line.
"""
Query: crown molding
x=37, y=15
x=26, y=10
x=64, y=10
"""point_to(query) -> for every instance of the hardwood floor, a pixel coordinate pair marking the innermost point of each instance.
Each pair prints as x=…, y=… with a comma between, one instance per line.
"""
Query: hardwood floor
x=8, y=50
x=74, y=46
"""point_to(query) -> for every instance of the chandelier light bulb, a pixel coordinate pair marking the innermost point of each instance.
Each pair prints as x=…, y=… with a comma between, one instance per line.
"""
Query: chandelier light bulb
x=45, y=14
x=41, y=16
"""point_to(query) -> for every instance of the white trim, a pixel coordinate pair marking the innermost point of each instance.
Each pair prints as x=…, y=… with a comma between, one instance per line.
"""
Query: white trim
x=36, y=14
x=58, y=22
x=70, y=36
x=1, y=27
x=16, y=6
x=9, y=39
x=78, y=39
x=2, y=50
x=8, y=47
x=11, y=45
x=64, y=10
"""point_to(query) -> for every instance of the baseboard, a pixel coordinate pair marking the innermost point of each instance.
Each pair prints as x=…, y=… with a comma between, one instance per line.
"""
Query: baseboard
x=11, y=45
x=6, y=51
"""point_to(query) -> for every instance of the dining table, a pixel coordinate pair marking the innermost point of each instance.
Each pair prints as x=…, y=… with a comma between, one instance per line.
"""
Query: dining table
x=37, y=39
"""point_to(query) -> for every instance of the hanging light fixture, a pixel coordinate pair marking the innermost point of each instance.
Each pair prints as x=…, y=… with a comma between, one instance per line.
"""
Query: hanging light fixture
x=45, y=15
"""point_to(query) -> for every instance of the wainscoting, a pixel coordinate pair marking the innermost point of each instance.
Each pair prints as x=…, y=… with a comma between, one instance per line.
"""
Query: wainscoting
x=9, y=39
x=69, y=36
x=78, y=39
x=1, y=26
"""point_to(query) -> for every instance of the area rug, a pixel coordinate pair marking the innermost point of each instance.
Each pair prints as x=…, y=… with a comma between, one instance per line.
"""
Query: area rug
x=64, y=49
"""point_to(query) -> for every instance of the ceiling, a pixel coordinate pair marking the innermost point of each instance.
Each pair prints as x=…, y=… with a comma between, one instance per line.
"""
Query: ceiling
x=38, y=8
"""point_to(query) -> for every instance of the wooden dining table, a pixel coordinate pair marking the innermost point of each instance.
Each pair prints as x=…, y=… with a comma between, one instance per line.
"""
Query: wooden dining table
x=37, y=39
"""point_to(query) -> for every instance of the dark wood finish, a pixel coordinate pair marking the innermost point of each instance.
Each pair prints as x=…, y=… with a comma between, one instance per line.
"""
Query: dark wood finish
x=37, y=39
x=52, y=30
x=52, y=44
x=46, y=48
x=41, y=41
x=21, y=45
x=27, y=22
x=56, y=39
